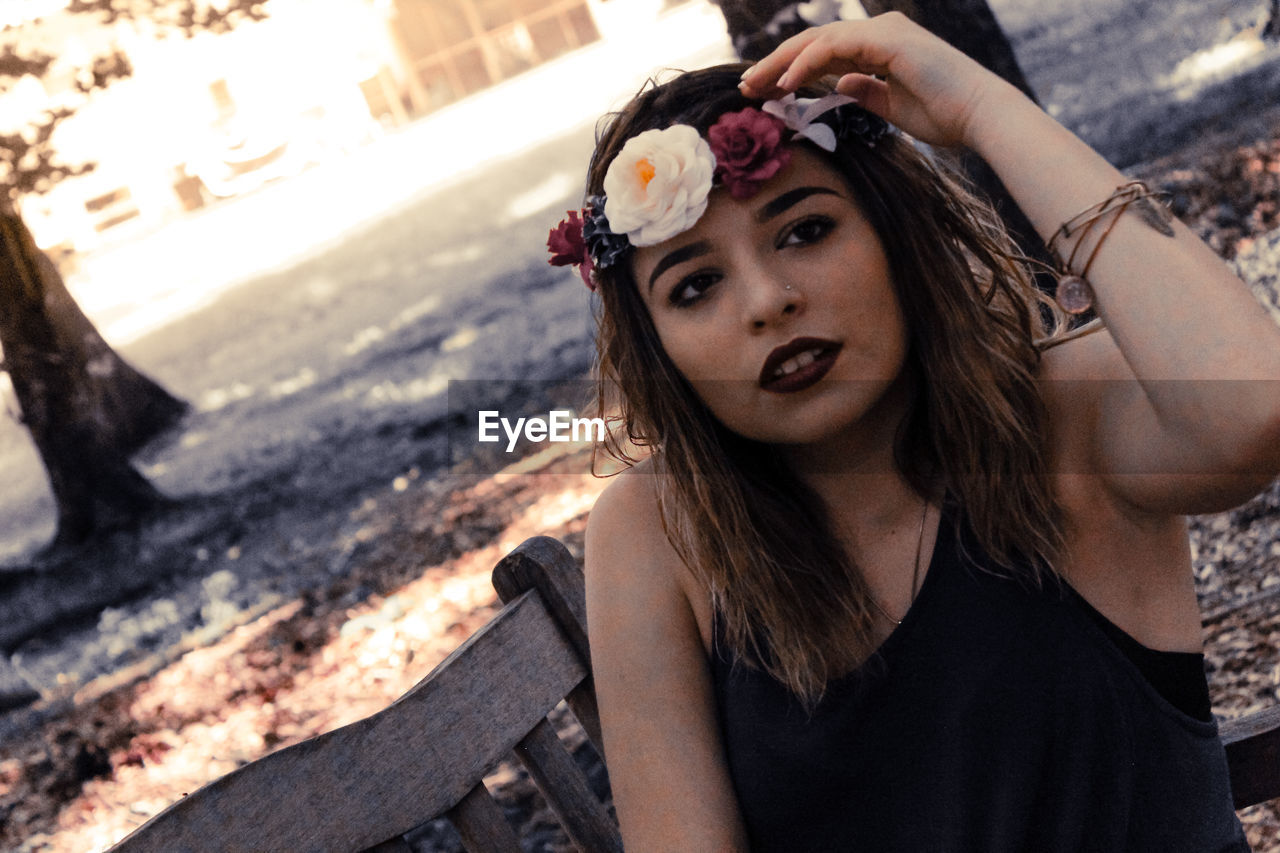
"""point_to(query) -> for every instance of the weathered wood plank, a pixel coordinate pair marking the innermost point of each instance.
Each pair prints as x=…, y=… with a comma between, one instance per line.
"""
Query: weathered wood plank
x=1253, y=756
x=584, y=818
x=481, y=824
x=582, y=701
x=383, y=775
x=544, y=564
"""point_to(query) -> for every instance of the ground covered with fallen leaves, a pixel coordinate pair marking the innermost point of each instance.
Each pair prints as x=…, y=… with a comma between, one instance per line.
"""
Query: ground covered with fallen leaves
x=86, y=778
x=89, y=770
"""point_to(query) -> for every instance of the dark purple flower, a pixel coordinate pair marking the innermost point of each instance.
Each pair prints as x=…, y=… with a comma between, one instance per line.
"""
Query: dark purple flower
x=850, y=121
x=748, y=148
x=603, y=246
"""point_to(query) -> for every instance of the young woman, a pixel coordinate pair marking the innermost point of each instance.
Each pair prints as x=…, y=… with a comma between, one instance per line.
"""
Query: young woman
x=903, y=568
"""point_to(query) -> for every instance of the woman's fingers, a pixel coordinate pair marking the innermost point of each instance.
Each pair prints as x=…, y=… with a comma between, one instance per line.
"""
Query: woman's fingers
x=926, y=86
x=871, y=93
x=825, y=55
x=839, y=48
x=763, y=76
x=866, y=47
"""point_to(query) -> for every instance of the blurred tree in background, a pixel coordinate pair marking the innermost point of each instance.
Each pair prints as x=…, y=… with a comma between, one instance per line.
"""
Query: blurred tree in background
x=971, y=26
x=756, y=27
x=87, y=410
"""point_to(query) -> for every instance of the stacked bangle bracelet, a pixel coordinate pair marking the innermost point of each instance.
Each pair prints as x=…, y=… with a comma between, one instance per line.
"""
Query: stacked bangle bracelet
x=1074, y=292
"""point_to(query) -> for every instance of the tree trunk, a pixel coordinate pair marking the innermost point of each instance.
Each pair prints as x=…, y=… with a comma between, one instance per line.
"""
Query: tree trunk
x=128, y=409
x=971, y=26
x=86, y=410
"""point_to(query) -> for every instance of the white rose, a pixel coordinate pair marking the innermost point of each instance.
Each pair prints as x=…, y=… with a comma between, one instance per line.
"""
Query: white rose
x=658, y=185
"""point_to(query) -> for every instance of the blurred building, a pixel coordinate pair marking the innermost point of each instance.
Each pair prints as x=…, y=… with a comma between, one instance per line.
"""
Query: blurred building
x=215, y=116
x=448, y=49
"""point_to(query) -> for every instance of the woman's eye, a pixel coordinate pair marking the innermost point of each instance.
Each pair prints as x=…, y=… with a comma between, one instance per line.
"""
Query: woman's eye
x=806, y=231
x=691, y=288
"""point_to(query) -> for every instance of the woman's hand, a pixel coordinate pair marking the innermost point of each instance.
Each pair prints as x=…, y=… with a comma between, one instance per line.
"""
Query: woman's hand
x=923, y=85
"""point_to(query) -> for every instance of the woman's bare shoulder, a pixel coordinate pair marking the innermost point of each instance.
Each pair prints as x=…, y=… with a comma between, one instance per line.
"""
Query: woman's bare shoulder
x=627, y=545
x=629, y=557
x=671, y=785
x=626, y=522
x=627, y=550
x=630, y=498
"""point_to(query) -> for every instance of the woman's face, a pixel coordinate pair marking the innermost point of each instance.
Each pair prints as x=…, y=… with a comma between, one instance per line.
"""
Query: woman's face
x=779, y=309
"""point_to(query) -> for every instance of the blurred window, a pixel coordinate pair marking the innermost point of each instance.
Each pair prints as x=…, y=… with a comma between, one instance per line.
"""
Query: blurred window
x=111, y=208
x=458, y=47
x=222, y=100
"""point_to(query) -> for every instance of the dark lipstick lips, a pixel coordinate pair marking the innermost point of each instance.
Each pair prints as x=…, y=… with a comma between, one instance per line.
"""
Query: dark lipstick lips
x=805, y=376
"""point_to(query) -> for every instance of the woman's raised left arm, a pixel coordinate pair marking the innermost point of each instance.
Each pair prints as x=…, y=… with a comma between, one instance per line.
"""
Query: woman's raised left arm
x=1205, y=407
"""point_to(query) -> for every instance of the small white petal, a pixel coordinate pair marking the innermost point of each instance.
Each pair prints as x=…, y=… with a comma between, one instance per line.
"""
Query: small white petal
x=821, y=135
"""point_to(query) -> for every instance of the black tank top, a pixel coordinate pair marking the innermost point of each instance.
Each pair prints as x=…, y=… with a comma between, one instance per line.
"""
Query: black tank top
x=996, y=718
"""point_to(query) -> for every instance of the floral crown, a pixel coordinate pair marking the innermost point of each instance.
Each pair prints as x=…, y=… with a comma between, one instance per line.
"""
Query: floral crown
x=659, y=184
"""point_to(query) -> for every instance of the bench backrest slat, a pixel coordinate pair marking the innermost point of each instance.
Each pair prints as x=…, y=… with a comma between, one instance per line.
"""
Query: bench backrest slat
x=584, y=818
x=381, y=776
x=481, y=824
x=544, y=564
x=1253, y=756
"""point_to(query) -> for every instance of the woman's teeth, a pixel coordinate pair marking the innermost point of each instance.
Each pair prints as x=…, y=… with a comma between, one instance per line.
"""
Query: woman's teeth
x=796, y=362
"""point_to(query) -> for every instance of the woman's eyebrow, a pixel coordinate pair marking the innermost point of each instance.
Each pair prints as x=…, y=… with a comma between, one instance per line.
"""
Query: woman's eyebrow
x=679, y=256
x=788, y=199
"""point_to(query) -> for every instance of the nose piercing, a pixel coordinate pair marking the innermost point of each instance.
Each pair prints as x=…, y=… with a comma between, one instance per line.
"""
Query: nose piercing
x=788, y=287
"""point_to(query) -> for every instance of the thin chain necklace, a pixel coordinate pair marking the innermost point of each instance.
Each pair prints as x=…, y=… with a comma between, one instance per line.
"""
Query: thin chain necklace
x=915, y=570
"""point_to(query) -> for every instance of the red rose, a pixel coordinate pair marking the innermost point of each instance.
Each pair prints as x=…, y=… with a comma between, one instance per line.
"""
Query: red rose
x=748, y=148
x=565, y=241
x=567, y=246
x=584, y=270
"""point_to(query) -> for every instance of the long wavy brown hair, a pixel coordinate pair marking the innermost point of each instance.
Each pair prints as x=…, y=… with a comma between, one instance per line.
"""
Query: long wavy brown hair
x=788, y=596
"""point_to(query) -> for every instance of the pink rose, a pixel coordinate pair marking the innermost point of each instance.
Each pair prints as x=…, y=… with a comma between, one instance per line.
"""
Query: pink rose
x=748, y=148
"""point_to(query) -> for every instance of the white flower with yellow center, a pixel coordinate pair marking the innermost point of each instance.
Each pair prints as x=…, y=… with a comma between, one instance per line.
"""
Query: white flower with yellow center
x=657, y=186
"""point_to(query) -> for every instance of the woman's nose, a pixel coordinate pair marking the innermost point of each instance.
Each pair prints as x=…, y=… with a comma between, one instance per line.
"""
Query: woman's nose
x=772, y=301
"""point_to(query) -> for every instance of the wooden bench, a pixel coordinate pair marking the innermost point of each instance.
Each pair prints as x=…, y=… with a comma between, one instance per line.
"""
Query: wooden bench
x=364, y=786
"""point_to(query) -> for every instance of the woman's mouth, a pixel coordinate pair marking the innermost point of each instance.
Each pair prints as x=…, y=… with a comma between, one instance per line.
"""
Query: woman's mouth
x=798, y=364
